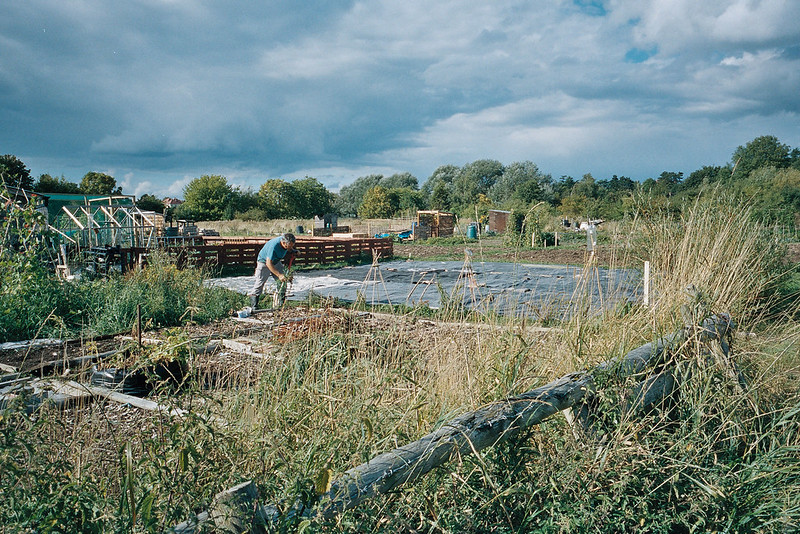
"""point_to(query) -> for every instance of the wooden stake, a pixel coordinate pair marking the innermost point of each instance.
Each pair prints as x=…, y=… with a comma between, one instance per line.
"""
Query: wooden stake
x=139, y=326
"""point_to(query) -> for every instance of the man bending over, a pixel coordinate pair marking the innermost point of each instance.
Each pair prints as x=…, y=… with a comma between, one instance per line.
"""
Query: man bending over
x=270, y=263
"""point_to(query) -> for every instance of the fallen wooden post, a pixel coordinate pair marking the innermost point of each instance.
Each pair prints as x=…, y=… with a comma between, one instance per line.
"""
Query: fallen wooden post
x=465, y=435
x=488, y=426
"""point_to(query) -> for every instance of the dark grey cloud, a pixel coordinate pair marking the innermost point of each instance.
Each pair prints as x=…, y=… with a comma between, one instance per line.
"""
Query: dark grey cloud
x=159, y=91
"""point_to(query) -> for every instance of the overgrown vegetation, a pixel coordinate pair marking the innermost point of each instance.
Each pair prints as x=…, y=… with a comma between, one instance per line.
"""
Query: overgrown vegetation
x=338, y=388
x=33, y=303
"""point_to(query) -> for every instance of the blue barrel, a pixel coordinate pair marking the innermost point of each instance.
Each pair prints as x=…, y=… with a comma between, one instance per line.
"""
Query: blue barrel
x=472, y=231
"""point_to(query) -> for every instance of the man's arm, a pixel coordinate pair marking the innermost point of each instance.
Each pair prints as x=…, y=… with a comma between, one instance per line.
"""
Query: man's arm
x=274, y=270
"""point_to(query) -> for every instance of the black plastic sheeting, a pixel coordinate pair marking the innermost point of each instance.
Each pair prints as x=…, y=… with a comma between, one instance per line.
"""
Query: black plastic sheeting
x=137, y=382
x=505, y=288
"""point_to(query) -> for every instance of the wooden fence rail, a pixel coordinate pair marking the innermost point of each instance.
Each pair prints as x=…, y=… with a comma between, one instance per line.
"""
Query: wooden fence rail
x=243, y=251
x=467, y=434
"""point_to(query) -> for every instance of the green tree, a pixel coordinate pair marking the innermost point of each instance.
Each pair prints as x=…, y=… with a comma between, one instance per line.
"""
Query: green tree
x=773, y=193
x=614, y=197
x=149, y=202
x=351, y=196
x=312, y=198
x=242, y=201
x=705, y=176
x=521, y=181
x=14, y=173
x=438, y=188
x=440, y=197
x=764, y=151
x=48, y=184
x=205, y=198
x=574, y=206
x=276, y=198
x=400, y=180
x=586, y=187
x=405, y=200
x=562, y=188
x=377, y=204
x=475, y=178
x=668, y=183
x=98, y=183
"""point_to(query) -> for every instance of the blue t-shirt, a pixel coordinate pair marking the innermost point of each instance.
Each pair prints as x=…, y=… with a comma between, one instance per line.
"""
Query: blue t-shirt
x=272, y=250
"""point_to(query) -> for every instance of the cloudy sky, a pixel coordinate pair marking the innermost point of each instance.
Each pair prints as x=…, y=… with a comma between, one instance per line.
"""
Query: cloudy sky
x=157, y=92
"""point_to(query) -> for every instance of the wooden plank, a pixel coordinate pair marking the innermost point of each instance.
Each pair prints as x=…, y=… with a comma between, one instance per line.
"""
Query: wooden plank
x=122, y=398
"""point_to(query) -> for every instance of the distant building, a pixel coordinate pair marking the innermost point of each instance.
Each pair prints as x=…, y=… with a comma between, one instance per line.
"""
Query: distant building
x=498, y=220
x=172, y=202
x=433, y=224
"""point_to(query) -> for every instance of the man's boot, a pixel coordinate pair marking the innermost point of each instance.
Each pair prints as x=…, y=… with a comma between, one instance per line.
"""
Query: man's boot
x=254, y=301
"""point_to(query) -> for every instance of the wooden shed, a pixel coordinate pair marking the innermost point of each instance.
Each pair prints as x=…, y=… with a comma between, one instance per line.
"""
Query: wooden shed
x=498, y=220
x=434, y=224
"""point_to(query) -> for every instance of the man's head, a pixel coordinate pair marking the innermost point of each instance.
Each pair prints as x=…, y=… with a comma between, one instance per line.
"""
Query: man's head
x=288, y=240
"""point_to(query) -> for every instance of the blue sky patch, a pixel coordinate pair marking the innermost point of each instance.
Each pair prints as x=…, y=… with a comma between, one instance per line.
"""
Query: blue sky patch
x=594, y=8
x=637, y=55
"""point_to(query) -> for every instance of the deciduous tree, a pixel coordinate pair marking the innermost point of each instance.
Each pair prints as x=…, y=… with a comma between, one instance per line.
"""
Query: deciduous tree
x=149, y=202
x=474, y=179
x=14, y=173
x=352, y=196
x=312, y=198
x=276, y=198
x=400, y=181
x=98, y=183
x=376, y=205
x=49, y=184
x=764, y=151
x=521, y=181
x=205, y=198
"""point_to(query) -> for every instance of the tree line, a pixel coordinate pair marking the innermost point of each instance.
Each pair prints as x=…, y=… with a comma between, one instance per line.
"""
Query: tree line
x=764, y=171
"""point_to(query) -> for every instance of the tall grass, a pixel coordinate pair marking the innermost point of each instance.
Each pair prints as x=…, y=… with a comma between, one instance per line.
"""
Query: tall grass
x=717, y=246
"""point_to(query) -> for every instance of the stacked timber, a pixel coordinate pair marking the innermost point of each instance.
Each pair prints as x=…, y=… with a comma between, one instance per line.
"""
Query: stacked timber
x=434, y=224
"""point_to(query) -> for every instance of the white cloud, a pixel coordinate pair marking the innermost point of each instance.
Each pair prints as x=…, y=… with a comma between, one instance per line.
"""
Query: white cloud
x=749, y=60
x=681, y=26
